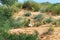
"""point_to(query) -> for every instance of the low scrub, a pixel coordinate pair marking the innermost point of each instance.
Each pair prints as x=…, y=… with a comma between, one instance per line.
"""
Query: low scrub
x=21, y=36
x=48, y=20
x=39, y=17
x=20, y=22
x=31, y=5
x=6, y=11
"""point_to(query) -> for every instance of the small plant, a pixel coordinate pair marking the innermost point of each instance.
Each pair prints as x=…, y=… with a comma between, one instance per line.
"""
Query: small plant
x=39, y=17
x=27, y=14
x=48, y=20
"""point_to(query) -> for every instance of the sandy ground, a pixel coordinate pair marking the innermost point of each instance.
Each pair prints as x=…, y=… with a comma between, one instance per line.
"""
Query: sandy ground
x=54, y=36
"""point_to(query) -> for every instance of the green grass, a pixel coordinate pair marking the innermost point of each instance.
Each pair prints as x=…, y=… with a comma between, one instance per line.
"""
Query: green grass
x=21, y=36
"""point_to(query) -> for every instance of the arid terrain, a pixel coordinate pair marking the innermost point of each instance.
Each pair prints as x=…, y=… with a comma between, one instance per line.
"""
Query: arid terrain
x=41, y=29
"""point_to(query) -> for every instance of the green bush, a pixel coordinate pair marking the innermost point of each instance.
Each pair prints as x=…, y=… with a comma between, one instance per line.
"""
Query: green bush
x=16, y=23
x=27, y=5
x=39, y=17
x=48, y=20
x=20, y=22
x=38, y=20
x=16, y=7
x=8, y=2
x=21, y=36
x=4, y=24
x=5, y=15
x=31, y=5
x=27, y=14
x=35, y=6
x=55, y=10
x=6, y=11
x=45, y=7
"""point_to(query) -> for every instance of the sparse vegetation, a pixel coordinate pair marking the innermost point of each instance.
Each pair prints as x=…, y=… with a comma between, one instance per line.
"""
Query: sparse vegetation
x=9, y=9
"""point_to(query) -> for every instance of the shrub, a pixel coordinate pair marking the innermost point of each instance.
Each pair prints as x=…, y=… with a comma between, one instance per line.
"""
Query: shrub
x=16, y=23
x=21, y=36
x=55, y=10
x=16, y=7
x=31, y=5
x=6, y=11
x=4, y=25
x=45, y=7
x=39, y=17
x=20, y=22
x=27, y=14
x=27, y=5
x=48, y=20
x=5, y=15
x=38, y=20
x=35, y=6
